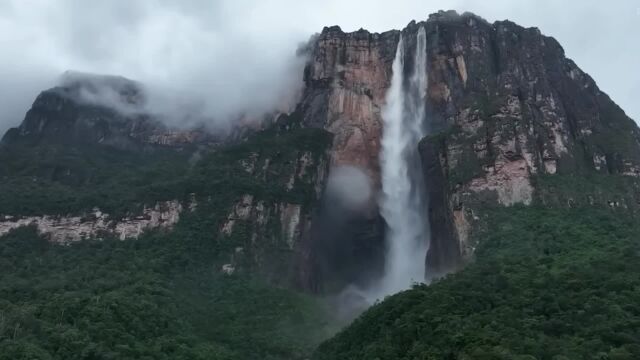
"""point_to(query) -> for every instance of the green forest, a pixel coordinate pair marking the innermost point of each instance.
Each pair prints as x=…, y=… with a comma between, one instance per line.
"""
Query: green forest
x=161, y=296
x=546, y=284
x=158, y=297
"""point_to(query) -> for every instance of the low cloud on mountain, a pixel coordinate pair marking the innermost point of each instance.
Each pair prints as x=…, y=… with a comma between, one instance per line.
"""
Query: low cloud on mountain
x=238, y=57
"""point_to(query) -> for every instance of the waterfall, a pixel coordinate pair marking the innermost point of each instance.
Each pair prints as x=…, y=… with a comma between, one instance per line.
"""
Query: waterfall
x=402, y=202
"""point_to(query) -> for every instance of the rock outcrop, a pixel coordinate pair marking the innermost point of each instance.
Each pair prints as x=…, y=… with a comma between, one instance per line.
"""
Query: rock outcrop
x=67, y=229
x=271, y=234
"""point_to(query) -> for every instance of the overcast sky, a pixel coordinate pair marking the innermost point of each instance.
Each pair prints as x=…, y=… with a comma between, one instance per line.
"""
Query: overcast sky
x=239, y=52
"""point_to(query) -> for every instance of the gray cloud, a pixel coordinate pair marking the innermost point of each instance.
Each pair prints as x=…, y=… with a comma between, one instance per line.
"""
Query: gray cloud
x=238, y=53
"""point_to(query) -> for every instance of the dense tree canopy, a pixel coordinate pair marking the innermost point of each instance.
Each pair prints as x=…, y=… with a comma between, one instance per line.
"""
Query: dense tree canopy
x=546, y=284
x=159, y=297
x=163, y=295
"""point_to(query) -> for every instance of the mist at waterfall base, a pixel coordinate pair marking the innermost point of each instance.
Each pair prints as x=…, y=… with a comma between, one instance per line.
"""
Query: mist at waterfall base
x=349, y=187
x=402, y=201
x=343, y=256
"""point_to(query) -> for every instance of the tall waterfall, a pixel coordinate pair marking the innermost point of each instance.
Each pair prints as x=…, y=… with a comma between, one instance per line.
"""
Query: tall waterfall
x=402, y=201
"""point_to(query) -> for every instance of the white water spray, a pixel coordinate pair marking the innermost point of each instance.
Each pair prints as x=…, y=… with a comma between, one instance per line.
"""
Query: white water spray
x=402, y=202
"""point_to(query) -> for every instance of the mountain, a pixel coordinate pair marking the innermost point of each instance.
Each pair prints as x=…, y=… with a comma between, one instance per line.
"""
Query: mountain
x=211, y=229
x=530, y=177
x=507, y=110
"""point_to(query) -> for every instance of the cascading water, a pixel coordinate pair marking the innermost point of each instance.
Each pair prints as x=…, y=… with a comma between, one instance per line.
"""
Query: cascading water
x=402, y=201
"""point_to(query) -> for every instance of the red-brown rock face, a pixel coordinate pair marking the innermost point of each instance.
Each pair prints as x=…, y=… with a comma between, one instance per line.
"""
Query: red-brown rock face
x=346, y=80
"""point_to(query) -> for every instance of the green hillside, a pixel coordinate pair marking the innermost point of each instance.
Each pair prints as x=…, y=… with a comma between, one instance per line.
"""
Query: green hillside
x=552, y=284
x=163, y=295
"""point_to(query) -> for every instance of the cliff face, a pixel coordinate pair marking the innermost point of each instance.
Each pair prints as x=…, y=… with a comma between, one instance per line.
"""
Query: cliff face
x=505, y=107
x=346, y=80
x=515, y=108
x=272, y=231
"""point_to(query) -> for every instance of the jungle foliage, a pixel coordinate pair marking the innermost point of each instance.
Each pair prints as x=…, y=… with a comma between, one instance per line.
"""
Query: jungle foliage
x=547, y=284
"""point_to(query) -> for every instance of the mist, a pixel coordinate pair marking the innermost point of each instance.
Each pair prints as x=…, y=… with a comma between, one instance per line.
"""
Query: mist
x=207, y=57
x=231, y=58
x=349, y=188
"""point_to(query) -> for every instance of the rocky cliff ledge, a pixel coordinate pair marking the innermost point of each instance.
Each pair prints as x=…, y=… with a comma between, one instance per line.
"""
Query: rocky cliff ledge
x=67, y=229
